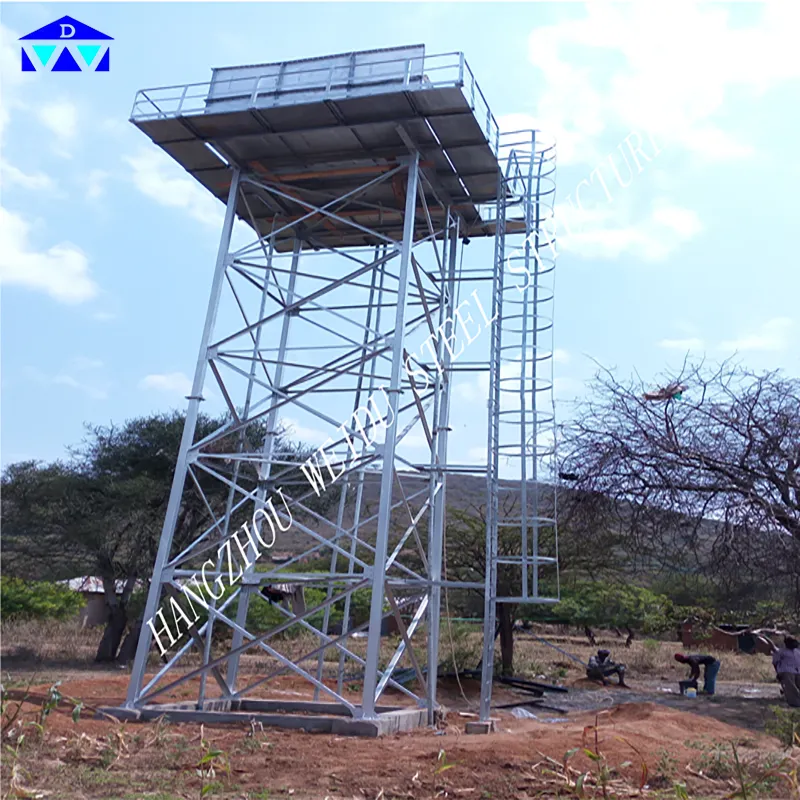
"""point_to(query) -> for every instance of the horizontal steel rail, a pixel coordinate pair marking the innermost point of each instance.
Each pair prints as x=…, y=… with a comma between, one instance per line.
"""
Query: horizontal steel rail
x=438, y=71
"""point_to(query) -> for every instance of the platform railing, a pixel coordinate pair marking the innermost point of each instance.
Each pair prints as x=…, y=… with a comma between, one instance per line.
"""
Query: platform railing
x=441, y=70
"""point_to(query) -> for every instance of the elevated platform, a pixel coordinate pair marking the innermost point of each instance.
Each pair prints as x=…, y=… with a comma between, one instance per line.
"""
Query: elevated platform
x=318, y=129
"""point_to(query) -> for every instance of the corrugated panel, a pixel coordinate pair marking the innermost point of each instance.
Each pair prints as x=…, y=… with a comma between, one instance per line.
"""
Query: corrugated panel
x=315, y=79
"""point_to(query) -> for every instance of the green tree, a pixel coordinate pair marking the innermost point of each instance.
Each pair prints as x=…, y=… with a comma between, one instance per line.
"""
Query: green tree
x=466, y=561
x=588, y=604
x=21, y=599
x=101, y=511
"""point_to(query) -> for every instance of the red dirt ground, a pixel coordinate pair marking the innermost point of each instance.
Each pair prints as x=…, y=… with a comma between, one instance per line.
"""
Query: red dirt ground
x=96, y=758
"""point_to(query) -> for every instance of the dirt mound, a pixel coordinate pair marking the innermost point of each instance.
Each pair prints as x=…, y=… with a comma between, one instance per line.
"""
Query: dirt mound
x=635, y=712
x=624, y=731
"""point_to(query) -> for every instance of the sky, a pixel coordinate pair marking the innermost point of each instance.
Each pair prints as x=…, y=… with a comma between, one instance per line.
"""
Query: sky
x=107, y=247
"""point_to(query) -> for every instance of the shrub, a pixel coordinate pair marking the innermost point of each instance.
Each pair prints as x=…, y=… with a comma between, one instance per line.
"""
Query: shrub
x=784, y=725
x=37, y=600
x=459, y=647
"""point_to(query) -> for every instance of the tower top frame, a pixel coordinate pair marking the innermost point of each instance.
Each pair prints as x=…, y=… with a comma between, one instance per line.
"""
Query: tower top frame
x=323, y=126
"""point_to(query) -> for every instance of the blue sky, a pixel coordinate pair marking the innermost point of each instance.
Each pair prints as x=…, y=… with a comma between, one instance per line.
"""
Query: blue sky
x=107, y=248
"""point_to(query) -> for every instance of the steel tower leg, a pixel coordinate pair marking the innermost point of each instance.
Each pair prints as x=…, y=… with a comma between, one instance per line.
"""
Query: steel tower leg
x=493, y=459
x=387, y=475
x=437, y=497
x=179, y=479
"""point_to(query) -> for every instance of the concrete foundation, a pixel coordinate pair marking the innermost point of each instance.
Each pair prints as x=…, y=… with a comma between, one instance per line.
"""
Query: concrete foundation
x=307, y=716
x=476, y=726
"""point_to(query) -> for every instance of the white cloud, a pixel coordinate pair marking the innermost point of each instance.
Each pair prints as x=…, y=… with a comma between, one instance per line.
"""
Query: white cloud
x=95, y=183
x=62, y=271
x=714, y=144
x=477, y=455
x=683, y=222
x=9, y=56
x=691, y=343
x=414, y=441
x=301, y=433
x=772, y=336
x=36, y=181
x=84, y=363
x=93, y=389
x=561, y=356
x=4, y=116
x=160, y=178
x=472, y=389
x=11, y=76
x=608, y=231
x=169, y=382
x=663, y=68
x=61, y=117
x=116, y=127
x=566, y=388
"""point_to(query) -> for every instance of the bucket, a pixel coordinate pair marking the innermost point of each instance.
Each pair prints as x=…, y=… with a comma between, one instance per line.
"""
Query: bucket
x=691, y=692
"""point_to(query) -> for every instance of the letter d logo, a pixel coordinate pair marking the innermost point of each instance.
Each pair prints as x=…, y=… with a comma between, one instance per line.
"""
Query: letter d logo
x=64, y=34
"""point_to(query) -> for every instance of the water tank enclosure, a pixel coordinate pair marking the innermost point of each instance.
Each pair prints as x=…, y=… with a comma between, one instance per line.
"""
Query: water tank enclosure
x=311, y=80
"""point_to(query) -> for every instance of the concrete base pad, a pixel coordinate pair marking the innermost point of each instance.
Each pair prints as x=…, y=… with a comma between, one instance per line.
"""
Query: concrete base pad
x=476, y=726
x=306, y=717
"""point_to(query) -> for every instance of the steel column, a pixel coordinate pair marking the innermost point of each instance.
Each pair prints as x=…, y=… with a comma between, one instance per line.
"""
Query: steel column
x=387, y=476
x=179, y=479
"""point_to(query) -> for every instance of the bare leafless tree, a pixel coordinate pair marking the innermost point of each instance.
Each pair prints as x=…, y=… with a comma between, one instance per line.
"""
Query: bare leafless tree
x=707, y=479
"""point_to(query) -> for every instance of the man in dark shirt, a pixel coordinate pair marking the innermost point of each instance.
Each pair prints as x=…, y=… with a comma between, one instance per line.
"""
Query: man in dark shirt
x=601, y=667
x=710, y=666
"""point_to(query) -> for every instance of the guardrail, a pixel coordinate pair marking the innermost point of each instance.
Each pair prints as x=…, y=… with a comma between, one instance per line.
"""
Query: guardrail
x=437, y=71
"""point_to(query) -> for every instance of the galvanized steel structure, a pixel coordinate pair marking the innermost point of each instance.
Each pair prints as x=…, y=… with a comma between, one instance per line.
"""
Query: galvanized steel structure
x=362, y=177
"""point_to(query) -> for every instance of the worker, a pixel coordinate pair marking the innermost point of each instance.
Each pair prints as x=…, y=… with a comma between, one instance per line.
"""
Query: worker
x=710, y=666
x=786, y=661
x=601, y=666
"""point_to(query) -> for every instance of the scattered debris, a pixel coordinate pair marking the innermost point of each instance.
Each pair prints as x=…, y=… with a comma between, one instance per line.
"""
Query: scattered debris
x=672, y=392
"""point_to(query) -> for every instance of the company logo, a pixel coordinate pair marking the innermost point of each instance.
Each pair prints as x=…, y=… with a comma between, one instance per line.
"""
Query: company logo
x=65, y=45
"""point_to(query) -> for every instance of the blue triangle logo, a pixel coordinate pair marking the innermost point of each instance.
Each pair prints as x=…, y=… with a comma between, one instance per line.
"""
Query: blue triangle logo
x=66, y=62
x=27, y=64
x=66, y=28
x=103, y=65
x=45, y=52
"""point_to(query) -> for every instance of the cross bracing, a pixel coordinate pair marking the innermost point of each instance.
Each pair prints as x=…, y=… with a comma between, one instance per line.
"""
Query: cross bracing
x=319, y=318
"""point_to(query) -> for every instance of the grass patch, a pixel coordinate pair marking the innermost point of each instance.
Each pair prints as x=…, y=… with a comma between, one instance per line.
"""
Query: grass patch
x=784, y=724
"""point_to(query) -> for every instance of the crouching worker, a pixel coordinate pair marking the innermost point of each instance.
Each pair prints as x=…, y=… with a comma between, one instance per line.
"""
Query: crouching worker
x=710, y=666
x=601, y=666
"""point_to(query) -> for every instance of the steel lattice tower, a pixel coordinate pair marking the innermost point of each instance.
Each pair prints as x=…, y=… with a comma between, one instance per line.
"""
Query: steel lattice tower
x=361, y=177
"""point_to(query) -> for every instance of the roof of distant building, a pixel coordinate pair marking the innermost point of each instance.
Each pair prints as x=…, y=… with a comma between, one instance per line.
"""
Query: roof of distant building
x=91, y=585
